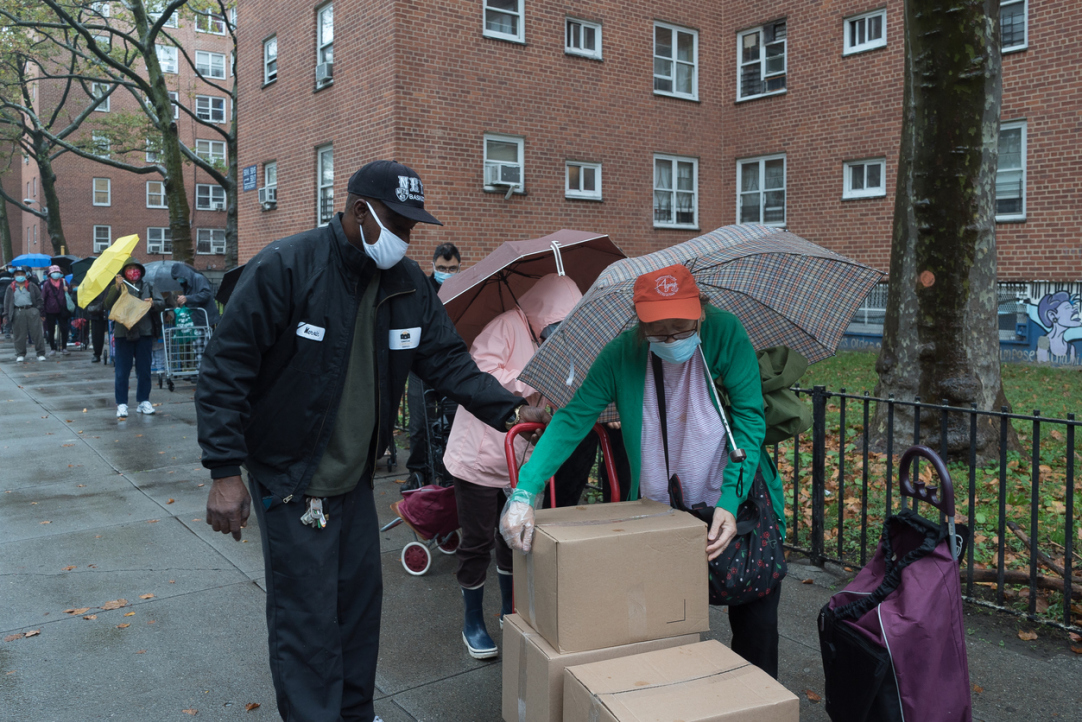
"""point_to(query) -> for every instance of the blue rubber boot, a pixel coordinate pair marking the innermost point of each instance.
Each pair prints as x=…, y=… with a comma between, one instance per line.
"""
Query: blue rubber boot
x=507, y=594
x=474, y=633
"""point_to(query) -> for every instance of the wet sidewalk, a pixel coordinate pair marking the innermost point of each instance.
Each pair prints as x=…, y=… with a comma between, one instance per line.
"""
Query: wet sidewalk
x=95, y=510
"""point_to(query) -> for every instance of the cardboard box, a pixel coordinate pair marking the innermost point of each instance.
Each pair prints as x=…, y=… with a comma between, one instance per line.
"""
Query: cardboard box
x=606, y=575
x=533, y=672
x=704, y=682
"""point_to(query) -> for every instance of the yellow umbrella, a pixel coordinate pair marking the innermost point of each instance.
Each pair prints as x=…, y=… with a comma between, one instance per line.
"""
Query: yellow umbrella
x=106, y=266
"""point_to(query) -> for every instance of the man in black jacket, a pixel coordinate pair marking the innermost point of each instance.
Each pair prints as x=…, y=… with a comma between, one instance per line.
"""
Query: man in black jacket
x=299, y=385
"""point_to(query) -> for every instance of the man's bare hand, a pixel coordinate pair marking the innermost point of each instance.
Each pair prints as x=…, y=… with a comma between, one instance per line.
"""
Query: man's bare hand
x=722, y=531
x=534, y=415
x=181, y=300
x=228, y=506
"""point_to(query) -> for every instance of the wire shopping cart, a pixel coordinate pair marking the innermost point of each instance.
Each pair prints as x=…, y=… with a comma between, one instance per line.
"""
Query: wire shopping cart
x=184, y=345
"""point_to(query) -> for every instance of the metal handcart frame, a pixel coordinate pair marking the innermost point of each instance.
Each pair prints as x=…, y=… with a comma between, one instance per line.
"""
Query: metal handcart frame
x=185, y=345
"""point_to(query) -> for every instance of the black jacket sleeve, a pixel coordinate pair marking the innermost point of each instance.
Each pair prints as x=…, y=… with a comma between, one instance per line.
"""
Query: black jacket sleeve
x=444, y=363
x=200, y=292
x=259, y=311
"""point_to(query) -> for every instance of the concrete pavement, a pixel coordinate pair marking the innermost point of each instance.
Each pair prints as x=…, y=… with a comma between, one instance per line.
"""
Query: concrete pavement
x=94, y=510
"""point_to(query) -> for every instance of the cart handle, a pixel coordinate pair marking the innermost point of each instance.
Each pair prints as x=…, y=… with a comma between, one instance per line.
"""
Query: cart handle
x=527, y=427
x=942, y=496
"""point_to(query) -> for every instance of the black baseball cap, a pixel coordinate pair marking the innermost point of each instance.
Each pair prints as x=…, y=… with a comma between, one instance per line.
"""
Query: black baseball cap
x=397, y=186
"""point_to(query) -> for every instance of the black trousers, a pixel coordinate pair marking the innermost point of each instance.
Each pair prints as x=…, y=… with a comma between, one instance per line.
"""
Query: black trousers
x=415, y=403
x=97, y=334
x=324, y=599
x=479, y=509
x=755, y=631
x=56, y=322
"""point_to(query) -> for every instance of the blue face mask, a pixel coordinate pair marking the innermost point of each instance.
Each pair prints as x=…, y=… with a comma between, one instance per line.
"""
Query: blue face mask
x=20, y=279
x=56, y=276
x=677, y=352
x=440, y=276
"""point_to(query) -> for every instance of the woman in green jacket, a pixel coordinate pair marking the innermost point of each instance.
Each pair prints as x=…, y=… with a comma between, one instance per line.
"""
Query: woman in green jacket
x=690, y=337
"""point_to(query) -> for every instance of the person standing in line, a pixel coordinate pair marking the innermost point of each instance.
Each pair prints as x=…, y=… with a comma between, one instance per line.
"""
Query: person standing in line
x=446, y=262
x=134, y=344
x=23, y=305
x=197, y=293
x=99, y=323
x=54, y=292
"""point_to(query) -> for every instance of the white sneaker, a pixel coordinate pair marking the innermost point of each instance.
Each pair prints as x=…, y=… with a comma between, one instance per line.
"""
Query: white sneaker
x=145, y=408
x=52, y=352
x=122, y=411
x=41, y=358
x=65, y=352
x=20, y=359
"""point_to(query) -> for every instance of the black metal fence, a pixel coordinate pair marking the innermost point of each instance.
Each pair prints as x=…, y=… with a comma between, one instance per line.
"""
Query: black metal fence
x=840, y=490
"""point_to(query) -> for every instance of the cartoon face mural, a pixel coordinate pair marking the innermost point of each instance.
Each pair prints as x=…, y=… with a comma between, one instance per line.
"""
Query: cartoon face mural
x=1058, y=314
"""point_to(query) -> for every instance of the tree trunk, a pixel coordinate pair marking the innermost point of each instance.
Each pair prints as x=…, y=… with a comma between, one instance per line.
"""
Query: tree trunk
x=5, y=233
x=176, y=195
x=232, y=195
x=50, y=200
x=940, y=337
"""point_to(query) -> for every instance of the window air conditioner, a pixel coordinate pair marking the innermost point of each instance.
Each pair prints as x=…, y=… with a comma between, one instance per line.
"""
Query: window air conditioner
x=217, y=206
x=503, y=174
x=268, y=195
x=324, y=73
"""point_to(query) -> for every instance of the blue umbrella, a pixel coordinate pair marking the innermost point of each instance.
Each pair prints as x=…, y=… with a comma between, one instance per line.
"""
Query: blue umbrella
x=34, y=260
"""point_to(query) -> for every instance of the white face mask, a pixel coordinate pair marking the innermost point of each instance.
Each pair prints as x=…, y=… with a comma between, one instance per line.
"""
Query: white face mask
x=388, y=249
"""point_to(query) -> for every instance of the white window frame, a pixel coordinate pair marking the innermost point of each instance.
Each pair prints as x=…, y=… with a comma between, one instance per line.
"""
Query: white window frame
x=99, y=243
x=676, y=30
x=152, y=155
x=209, y=101
x=169, y=65
x=97, y=90
x=877, y=192
x=519, y=14
x=207, y=194
x=156, y=188
x=1015, y=217
x=101, y=9
x=324, y=47
x=172, y=22
x=205, y=64
x=174, y=96
x=108, y=191
x=583, y=26
x=674, y=159
x=102, y=146
x=269, y=74
x=762, y=191
x=740, y=64
x=163, y=239
x=518, y=141
x=1025, y=26
x=206, y=23
x=324, y=187
x=578, y=193
x=216, y=245
x=852, y=49
x=270, y=174
x=212, y=150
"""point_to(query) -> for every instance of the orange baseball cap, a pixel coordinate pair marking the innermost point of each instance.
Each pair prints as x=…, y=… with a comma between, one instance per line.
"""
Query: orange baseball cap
x=667, y=293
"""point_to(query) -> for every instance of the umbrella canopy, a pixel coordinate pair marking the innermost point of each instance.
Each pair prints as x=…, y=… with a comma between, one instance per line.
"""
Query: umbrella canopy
x=784, y=289
x=480, y=293
x=105, y=267
x=65, y=262
x=160, y=276
x=79, y=269
x=229, y=282
x=34, y=260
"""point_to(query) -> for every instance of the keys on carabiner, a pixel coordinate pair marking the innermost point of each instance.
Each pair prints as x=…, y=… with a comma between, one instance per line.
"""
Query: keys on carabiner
x=314, y=516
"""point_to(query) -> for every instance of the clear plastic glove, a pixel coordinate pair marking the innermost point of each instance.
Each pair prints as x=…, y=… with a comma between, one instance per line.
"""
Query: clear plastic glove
x=516, y=521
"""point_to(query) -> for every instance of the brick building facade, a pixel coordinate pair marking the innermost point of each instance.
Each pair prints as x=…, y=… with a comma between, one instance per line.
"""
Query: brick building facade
x=686, y=116
x=100, y=203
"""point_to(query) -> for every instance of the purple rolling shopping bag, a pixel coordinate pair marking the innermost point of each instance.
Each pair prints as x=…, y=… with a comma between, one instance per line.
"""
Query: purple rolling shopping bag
x=893, y=641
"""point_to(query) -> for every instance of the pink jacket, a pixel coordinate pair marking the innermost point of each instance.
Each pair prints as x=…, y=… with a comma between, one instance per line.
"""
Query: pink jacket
x=474, y=449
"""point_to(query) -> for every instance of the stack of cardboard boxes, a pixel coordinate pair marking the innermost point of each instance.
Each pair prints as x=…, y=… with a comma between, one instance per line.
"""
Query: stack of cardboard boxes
x=609, y=606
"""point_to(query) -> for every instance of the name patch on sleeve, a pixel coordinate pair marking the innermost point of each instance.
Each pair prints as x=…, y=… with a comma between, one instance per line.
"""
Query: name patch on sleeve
x=405, y=338
x=308, y=331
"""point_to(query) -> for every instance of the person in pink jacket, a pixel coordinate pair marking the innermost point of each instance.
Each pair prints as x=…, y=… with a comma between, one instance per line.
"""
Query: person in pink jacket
x=475, y=451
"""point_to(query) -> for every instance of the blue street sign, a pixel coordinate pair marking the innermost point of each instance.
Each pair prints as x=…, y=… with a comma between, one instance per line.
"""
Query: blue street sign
x=250, y=175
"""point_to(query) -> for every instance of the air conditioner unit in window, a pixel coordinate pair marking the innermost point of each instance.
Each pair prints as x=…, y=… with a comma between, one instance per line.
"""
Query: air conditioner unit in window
x=503, y=174
x=217, y=206
x=268, y=197
x=324, y=73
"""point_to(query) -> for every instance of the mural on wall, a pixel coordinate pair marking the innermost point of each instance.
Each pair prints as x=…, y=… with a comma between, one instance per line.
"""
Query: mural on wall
x=1057, y=314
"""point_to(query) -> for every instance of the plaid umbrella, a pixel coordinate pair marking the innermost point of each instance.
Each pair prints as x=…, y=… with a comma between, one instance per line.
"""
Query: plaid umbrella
x=784, y=289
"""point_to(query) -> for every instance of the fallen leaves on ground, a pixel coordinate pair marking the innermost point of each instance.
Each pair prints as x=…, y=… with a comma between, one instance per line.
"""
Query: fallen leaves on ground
x=80, y=610
x=33, y=633
x=152, y=521
x=808, y=581
x=170, y=501
x=68, y=569
x=1027, y=636
x=1075, y=637
x=46, y=522
x=977, y=689
x=115, y=604
x=125, y=625
x=141, y=651
x=67, y=445
x=130, y=614
x=1076, y=648
x=813, y=697
x=91, y=616
x=146, y=596
x=13, y=637
x=192, y=712
x=250, y=706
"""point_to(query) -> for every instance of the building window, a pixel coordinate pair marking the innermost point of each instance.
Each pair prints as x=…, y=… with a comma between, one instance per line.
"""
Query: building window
x=676, y=55
x=103, y=192
x=325, y=184
x=101, y=9
x=103, y=236
x=324, y=46
x=504, y=20
x=583, y=38
x=210, y=65
x=160, y=241
x=209, y=197
x=100, y=145
x=209, y=23
x=676, y=191
x=1013, y=23
x=167, y=58
x=100, y=90
x=212, y=151
x=504, y=163
x=156, y=194
x=210, y=241
x=762, y=190
x=170, y=23
x=1011, y=173
x=865, y=32
x=175, y=97
x=270, y=174
x=270, y=60
x=209, y=108
x=583, y=180
x=865, y=178
x=762, y=61
x=153, y=150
